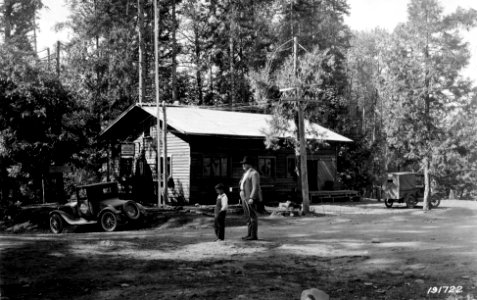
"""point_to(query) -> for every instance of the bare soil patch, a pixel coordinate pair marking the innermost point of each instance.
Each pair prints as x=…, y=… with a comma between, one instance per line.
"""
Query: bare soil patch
x=350, y=250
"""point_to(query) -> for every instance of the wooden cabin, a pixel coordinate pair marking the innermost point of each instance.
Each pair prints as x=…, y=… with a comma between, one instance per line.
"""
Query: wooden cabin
x=205, y=147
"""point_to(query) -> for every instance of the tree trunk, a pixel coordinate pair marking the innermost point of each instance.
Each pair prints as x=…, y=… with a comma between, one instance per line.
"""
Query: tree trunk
x=427, y=185
x=140, y=25
x=232, y=71
x=198, y=73
x=363, y=120
x=374, y=117
x=211, y=78
x=7, y=19
x=199, y=86
x=35, y=41
x=232, y=13
x=3, y=183
x=428, y=136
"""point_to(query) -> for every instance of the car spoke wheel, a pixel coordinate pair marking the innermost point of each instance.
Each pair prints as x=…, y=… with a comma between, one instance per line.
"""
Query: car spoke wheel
x=56, y=223
x=411, y=201
x=388, y=203
x=131, y=210
x=109, y=221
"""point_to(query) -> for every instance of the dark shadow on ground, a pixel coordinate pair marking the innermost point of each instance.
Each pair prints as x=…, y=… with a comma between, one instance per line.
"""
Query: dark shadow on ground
x=278, y=266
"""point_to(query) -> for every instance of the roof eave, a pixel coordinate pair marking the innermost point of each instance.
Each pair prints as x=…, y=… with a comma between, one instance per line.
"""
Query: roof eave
x=105, y=131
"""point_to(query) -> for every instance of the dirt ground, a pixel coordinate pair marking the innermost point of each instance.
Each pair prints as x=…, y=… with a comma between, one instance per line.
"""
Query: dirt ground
x=349, y=250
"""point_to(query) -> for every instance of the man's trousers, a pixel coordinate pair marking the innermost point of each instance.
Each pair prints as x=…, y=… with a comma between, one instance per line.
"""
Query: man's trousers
x=250, y=212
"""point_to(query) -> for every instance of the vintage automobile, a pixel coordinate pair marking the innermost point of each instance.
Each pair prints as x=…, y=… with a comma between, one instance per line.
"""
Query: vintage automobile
x=406, y=187
x=96, y=203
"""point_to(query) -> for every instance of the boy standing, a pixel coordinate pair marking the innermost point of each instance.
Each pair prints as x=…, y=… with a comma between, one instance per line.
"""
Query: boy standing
x=220, y=211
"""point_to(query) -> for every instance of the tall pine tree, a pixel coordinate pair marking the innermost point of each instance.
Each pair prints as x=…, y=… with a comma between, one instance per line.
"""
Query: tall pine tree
x=424, y=62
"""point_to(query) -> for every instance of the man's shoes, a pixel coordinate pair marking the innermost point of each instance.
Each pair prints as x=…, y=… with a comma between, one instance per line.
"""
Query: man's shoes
x=245, y=237
x=250, y=238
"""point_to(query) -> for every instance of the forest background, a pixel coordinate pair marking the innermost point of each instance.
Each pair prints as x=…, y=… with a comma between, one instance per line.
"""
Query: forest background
x=399, y=95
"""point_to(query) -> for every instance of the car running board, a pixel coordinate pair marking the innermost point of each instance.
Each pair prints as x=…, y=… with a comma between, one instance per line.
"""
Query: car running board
x=79, y=221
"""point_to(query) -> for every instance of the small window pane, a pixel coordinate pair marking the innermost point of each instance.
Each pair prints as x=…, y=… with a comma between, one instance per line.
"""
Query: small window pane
x=266, y=166
x=207, y=167
x=215, y=167
x=224, y=165
x=291, y=167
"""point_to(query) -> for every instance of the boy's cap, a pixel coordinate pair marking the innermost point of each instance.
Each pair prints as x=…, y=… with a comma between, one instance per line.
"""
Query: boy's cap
x=220, y=186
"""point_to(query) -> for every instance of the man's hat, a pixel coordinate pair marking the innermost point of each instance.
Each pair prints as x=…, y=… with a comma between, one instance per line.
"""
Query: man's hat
x=246, y=160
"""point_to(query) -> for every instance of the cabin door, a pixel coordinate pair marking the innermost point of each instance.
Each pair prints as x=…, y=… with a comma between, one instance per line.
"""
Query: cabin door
x=312, y=175
x=326, y=173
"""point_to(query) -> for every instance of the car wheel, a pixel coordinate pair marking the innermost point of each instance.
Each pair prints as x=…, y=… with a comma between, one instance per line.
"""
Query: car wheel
x=388, y=203
x=131, y=210
x=109, y=221
x=56, y=223
x=411, y=201
x=435, y=202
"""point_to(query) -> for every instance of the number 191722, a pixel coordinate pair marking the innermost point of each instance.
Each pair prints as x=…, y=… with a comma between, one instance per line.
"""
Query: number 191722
x=444, y=289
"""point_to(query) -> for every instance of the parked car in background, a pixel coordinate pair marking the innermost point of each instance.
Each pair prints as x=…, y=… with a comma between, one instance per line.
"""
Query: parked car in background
x=96, y=204
x=406, y=187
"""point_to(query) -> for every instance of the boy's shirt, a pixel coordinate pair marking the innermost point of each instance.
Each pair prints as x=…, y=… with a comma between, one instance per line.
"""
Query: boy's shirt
x=224, y=202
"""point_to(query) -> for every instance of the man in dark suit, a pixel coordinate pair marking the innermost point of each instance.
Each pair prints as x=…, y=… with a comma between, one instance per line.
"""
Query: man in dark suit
x=250, y=195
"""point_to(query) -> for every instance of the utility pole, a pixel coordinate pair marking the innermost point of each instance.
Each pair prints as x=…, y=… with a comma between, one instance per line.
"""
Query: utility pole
x=301, y=134
x=164, y=146
x=158, y=117
x=302, y=155
x=174, y=53
x=140, y=25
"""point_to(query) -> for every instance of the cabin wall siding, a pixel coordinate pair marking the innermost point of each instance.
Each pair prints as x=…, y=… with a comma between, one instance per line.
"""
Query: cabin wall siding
x=280, y=187
x=179, y=152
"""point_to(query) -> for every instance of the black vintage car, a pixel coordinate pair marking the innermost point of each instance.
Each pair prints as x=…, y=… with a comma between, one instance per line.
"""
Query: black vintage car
x=96, y=204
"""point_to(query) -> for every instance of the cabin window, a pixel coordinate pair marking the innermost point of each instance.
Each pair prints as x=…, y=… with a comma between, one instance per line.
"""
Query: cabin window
x=215, y=166
x=266, y=166
x=291, y=167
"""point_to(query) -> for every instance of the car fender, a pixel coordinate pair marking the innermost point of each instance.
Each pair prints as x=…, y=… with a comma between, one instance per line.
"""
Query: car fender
x=140, y=209
x=71, y=220
x=111, y=209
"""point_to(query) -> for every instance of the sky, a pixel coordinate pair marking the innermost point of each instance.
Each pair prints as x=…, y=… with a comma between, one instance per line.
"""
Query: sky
x=364, y=15
x=55, y=12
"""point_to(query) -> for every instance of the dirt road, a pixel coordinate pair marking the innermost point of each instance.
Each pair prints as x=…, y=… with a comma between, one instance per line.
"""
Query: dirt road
x=351, y=251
